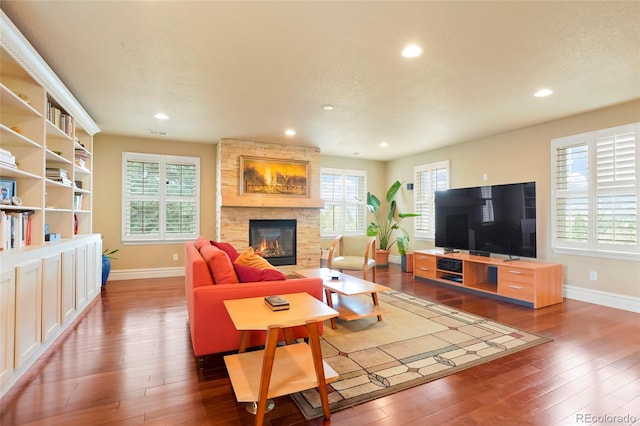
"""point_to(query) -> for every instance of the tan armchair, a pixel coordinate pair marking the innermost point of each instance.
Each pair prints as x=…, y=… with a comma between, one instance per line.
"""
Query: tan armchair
x=338, y=260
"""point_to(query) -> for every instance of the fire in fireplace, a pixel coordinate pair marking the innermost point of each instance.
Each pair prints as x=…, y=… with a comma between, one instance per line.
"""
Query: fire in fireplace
x=274, y=239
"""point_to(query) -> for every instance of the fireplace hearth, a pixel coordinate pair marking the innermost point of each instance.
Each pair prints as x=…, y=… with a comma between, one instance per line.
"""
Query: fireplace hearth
x=274, y=239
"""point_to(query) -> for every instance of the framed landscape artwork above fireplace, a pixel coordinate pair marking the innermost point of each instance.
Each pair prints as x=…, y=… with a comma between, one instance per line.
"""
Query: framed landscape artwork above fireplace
x=270, y=176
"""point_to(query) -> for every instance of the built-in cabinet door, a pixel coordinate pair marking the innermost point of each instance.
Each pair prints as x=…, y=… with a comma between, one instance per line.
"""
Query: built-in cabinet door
x=28, y=310
x=81, y=277
x=91, y=268
x=68, y=297
x=7, y=322
x=51, y=293
x=97, y=263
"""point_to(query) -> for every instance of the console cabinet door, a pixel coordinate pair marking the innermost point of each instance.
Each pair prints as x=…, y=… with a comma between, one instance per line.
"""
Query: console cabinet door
x=68, y=297
x=51, y=292
x=7, y=322
x=28, y=310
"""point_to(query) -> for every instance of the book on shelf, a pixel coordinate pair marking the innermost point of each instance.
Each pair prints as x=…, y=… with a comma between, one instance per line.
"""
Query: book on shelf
x=60, y=119
x=7, y=159
x=5, y=230
x=15, y=230
x=58, y=175
x=80, y=157
x=276, y=303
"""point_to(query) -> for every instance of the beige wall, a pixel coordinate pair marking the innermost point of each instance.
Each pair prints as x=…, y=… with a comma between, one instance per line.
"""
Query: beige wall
x=107, y=201
x=525, y=155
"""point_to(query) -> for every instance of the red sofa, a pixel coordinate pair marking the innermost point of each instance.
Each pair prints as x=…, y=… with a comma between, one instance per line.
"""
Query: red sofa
x=211, y=328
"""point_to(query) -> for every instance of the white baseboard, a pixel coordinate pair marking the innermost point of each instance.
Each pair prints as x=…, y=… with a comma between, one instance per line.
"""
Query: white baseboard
x=612, y=300
x=134, y=274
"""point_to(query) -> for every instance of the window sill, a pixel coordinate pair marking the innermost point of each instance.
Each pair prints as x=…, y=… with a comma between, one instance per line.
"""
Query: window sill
x=599, y=254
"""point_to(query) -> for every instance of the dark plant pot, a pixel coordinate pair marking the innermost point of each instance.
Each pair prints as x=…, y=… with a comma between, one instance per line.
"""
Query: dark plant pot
x=106, y=268
x=406, y=260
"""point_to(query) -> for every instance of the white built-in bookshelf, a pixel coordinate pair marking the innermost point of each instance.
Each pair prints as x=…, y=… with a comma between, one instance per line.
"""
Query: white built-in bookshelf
x=50, y=258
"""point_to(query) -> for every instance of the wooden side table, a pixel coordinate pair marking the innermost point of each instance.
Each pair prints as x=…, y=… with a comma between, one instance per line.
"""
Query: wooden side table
x=279, y=370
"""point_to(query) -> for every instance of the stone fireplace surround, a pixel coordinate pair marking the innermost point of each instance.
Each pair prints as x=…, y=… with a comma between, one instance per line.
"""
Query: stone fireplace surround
x=234, y=211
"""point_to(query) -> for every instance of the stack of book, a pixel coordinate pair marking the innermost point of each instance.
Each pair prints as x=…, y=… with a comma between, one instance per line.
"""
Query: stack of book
x=59, y=175
x=81, y=158
x=276, y=303
x=7, y=159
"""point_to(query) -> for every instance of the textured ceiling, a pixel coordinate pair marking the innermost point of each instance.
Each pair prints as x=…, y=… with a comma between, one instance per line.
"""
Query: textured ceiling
x=249, y=70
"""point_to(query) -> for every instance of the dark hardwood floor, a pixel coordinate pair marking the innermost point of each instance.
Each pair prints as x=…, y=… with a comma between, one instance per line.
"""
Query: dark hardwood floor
x=128, y=361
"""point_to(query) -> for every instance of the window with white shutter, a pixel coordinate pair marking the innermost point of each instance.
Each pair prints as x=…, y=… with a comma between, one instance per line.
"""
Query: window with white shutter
x=345, y=209
x=595, y=194
x=428, y=178
x=160, y=197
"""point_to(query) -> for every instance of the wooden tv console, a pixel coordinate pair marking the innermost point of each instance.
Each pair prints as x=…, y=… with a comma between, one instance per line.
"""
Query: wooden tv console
x=528, y=282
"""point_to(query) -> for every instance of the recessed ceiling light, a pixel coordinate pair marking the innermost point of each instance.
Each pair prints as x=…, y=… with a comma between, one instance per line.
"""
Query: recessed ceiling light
x=327, y=107
x=412, y=51
x=161, y=116
x=383, y=144
x=290, y=132
x=542, y=93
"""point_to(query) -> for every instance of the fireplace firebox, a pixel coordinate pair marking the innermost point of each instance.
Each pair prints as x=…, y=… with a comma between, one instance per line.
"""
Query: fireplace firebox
x=274, y=239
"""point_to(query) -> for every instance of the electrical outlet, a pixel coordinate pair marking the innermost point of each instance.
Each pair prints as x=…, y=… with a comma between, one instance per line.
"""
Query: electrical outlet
x=593, y=275
x=175, y=256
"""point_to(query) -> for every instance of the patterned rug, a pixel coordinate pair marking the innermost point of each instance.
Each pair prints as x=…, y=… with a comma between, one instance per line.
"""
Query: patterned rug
x=417, y=342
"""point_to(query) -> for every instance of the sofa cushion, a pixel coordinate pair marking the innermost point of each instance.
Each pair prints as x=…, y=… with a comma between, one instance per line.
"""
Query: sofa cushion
x=227, y=248
x=249, y=258
x=219, y=265
x=249, y=274
x=201, y=242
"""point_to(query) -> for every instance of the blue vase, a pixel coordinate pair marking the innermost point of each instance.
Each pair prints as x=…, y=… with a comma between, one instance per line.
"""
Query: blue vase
x=106, y=268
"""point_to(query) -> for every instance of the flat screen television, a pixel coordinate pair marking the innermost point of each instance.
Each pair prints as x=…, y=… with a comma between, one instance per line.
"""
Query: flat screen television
x=498, y=219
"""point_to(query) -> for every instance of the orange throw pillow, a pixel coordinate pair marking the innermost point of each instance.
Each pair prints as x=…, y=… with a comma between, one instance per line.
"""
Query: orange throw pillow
x=201, y=242
x=219, y=265
x=250, y=258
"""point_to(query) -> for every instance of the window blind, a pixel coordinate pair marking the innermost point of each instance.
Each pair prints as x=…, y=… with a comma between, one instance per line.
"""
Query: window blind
x=428, y=178
x=160, y=197
x=595, y=194
x=344, y=193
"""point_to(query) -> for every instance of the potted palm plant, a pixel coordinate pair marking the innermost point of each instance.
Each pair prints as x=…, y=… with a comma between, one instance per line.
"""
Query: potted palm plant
x=107, y=256
x=387, y=221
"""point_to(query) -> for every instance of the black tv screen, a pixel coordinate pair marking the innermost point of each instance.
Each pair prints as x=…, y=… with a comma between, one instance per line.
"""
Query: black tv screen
x=497, y=219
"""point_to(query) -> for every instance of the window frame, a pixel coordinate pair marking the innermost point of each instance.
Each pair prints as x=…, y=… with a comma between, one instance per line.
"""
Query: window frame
x=418, y=200
x=163, y=236
x=344, y=203
x=592, y=192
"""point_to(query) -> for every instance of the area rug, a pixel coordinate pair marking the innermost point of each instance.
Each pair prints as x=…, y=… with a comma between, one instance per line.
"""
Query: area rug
x=416, y=342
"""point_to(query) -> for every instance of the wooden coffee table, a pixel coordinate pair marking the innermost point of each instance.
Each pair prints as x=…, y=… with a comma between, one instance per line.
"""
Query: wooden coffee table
x=278, y=370
x=348, y=291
